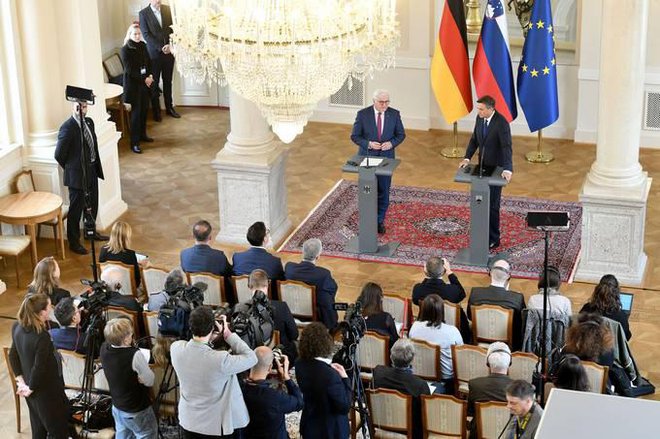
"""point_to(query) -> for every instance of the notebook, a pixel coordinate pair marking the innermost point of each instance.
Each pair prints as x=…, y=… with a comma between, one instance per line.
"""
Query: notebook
x=626, y=302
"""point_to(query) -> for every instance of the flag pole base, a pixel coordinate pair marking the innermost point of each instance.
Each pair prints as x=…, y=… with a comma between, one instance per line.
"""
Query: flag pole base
x=451, y=153
x=539, y=157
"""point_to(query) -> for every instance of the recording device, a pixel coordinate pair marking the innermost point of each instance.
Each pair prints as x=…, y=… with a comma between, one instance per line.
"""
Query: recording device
x=192, y=295
x=277, y=357
x=354, y=325
x=78, y=94
x=97, y=298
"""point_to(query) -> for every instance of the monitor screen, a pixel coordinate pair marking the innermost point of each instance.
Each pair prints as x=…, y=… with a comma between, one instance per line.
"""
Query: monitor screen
x=626, y=301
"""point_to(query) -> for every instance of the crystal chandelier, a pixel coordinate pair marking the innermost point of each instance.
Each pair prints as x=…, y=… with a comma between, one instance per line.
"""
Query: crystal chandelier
x=284, y=55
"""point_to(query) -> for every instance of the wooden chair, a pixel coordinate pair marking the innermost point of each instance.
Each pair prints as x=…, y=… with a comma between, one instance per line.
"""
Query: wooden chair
x=100, y=381
x=113, y=68
x=14, y=246
x=150, y=321
x=215, y=291
x=547, y=388
x=240, y=285
x=391, y=413
x=452, y=314
x=128, y=287
x=469, y=362
x=17, y=399
x=426, y=362
x=24, y=182
x=73, y=368
x=492, y=323
x=491, y=418
x=301, y=299
x=523, y=365
x=114, y=312
x=443, y=416
x=153, y=279
x=373, y=350
x=399, y=308
x=597, y=376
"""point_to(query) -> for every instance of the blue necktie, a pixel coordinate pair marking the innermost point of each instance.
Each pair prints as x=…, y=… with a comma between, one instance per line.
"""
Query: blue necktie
x=485, y=127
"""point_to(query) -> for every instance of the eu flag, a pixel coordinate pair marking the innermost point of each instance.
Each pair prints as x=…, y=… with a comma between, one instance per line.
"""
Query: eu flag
x=537, y=72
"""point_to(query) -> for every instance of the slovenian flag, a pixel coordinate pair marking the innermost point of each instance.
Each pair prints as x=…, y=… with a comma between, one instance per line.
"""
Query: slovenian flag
x=492, y=71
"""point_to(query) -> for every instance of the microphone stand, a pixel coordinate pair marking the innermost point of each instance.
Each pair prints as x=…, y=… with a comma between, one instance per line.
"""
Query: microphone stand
x=481, y=154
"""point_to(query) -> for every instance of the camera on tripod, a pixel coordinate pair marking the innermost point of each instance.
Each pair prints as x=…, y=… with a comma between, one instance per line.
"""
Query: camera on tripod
x=354, y=325
x=96, y=299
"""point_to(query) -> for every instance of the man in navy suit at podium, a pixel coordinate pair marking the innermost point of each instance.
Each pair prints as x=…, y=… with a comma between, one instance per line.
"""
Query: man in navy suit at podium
x=378, y=131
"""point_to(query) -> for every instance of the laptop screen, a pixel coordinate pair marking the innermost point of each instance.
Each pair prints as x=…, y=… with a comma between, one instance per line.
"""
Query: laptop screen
x=626, y=301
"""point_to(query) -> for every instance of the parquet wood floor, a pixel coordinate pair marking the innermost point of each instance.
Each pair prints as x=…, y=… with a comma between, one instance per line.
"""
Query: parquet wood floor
x=171, y=185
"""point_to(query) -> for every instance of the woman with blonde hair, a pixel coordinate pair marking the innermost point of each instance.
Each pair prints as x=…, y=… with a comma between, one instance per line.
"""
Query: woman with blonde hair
x=34, y=362
x=118, y=248
x=46, y=281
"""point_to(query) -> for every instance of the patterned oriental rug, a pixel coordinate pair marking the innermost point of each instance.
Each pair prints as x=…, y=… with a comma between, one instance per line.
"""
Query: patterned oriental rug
x=431, y=222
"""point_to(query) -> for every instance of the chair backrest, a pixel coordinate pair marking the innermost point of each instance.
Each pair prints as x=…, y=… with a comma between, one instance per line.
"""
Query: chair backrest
x=399, y=308
x=150, y=320
x=117, y=312
x=452, y=313
x=522, y=366
x=469, y=362
x=24, y=182
x=373, y=350
x=113, y=66
x=390, y=411
x=300, y=297
x=597, y=376
x=240, y=284
x=100, y=381
x=128, y=287
x=426, y=362
x=73, y=368
x=215, y=290
x=491, y=419
x=153, y=279
x=443, y=416
x=275, y=339
x=12, y=376
x=492, y=323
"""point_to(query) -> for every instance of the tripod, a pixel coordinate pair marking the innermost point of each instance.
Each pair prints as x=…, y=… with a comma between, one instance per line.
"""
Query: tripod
x=359, y=406
x=167, y=384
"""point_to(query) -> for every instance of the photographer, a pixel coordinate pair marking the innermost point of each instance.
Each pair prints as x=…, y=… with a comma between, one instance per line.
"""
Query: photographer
x=175, y=280
x=211, y=400
x=267, y=406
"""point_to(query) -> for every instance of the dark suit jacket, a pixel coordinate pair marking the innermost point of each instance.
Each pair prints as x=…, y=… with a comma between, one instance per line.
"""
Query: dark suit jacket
x=452, y=291
x=326, y=288
x=267, y=407
x=483, y=389
x=68, y=151
x=202, y=258
x=407, y=383
x=364, y=131
x=68, y=338
x=284, y=322
x=496, y=146
x=327, y=401
x=135, y=58
x=152, y=32
x=493, y=295
x=257, y=257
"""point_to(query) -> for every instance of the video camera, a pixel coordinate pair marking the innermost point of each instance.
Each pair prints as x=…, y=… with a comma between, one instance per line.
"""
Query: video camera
x=354, y=325
x=96, y=299
x=189, y=296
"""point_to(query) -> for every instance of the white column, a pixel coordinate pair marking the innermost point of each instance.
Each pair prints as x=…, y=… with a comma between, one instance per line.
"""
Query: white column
x=615, y=192
x=60, y=45
x=251, y=176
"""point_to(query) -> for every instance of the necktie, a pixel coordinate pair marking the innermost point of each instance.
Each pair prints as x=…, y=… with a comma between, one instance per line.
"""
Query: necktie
x=89, y=140
x=485, y=127
x=379, y=125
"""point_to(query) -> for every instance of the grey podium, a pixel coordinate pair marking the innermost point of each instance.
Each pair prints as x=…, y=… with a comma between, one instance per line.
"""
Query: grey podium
x=367, y=239
x=477, y=254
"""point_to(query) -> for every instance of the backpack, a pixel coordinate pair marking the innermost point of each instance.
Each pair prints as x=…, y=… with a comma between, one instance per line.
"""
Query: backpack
x=173, y=318
x=253, y=322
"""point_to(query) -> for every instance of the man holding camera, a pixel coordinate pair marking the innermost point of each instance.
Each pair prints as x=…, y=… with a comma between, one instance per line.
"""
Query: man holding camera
x=267, y=406
x=211, y=402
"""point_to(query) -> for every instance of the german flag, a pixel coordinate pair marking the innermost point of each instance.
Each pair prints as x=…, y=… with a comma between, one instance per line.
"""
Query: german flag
x=450, y=67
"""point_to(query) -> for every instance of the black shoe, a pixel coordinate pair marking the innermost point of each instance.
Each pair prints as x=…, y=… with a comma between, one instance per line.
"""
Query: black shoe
x=146, y=138
x=172, y=112
x=493, y=245
x=157, y=116
x=136, y=149
x=77, y=248
x=99, y=237
x=381, y=228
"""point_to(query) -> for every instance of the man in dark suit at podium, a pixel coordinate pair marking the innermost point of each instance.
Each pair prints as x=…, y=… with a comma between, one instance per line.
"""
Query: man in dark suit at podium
x=492, y=137
x=378, y=130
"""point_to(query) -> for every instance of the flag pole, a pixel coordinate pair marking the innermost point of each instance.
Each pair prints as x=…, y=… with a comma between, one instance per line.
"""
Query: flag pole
x=539, y=156
x=453, y=152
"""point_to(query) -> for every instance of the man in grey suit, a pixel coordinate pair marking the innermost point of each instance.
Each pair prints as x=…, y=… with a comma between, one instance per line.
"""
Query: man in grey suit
x=524, y=409
x=211, y=401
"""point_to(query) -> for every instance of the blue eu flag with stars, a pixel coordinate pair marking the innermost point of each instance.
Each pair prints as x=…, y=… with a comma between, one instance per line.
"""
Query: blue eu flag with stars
x=537, y=72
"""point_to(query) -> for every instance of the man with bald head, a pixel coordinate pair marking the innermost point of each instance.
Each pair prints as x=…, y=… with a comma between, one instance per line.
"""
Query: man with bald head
x=498, y=293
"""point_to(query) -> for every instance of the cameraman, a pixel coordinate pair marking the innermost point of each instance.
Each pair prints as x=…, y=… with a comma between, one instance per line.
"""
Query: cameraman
x=175, y=280
x=211, y=402
x=267, y=406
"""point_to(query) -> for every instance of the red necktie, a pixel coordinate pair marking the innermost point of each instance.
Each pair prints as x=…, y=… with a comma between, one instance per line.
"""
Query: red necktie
x=379, y=125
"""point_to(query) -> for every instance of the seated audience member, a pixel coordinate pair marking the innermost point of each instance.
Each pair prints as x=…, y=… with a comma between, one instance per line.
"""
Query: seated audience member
x=524, y=409
x=175, y=279
x=556, y=302
x=211, y=402
x=499, y=294
x=429, y=327
x=326, y=287
x=266, y=405
x=571, y=374
x=493, y=386
x=400, y=377
x=371, y=298
x=47, y=281
x=434, y=269
x=69, y=335
x=129, y=379
x=112, y=276
x=257, y=256
x=590, y=339
x=325, y=386
x=606, y=301
x=283, y=320
x=117, y=249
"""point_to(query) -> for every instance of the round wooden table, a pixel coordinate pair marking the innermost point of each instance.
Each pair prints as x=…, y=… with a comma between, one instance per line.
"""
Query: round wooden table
x=30, y=209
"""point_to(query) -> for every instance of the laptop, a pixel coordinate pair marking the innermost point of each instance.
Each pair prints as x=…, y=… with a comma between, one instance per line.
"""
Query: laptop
x=626, y=302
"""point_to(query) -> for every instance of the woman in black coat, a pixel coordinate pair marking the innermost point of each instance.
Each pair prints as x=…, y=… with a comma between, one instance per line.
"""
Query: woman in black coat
x=138, y=81
x=606, y=301
x=118, y=250
x=34, y=362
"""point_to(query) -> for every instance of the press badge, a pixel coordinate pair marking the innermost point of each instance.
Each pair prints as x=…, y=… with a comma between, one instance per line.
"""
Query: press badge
x=143, y=70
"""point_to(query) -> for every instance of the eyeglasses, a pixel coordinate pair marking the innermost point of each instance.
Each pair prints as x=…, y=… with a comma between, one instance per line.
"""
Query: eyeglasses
x=383, y=102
